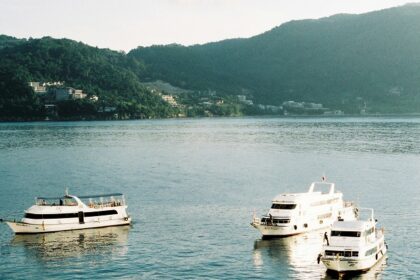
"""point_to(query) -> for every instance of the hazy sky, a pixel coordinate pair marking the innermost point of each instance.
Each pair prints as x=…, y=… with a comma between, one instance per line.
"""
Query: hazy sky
x=126, y=24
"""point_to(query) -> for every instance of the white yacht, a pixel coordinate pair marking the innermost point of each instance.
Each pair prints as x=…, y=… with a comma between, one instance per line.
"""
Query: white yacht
x=294, y=213
x=70, y=212
x=353, y=245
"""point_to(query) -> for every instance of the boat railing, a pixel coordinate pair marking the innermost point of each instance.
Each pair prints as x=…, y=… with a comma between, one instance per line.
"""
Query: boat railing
x=115, y=203
x=366, y=214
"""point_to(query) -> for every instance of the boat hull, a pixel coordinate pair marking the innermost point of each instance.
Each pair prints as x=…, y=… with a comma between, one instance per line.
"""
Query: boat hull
x=343, y=265
x=26, y=228
x=283, y=231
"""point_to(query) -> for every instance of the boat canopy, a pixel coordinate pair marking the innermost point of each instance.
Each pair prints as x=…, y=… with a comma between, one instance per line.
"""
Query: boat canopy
x=83, y=196
x=100, y=195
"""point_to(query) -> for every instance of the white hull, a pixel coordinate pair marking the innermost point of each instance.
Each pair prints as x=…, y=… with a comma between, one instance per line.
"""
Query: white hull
x=285, y=230
x=342, y=264
x=26, y=228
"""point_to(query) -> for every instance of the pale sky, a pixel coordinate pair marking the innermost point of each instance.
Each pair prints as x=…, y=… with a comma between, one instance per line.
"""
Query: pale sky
x=126, y=24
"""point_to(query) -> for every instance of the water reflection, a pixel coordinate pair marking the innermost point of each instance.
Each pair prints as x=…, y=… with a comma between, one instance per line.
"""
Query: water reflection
x=110, y=241
x=299, y=254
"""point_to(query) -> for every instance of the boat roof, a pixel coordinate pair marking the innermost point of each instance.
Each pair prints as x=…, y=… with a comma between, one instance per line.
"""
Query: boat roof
x=291, y=196
x=82, y=196
x=316, y=189
x=351, y=225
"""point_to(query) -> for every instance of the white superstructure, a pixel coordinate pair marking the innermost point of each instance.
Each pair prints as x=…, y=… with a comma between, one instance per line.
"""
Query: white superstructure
x=70, y=212
x=353, y=245
x=293, y=213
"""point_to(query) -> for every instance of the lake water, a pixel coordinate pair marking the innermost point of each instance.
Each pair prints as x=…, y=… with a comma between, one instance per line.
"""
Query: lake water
x=192, y=186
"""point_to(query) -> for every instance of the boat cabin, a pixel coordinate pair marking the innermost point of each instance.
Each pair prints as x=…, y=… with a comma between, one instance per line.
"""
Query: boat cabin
x=91, y=201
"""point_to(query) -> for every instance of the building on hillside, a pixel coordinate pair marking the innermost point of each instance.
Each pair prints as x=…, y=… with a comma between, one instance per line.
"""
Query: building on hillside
x=170, y=99
x=293, y=104
x=37, y=88
x=78, y=94
x=52, y=92
x=243, y=99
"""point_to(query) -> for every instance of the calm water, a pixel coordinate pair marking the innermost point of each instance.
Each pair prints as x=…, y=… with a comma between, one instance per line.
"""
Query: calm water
x=192, y=186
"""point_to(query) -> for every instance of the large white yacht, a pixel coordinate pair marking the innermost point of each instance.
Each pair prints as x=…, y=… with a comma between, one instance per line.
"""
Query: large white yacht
x=294, y=213
x=353, y=245
x=70, y=212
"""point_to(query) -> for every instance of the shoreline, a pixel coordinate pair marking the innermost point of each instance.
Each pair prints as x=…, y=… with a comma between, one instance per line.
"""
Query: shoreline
x=218, y=117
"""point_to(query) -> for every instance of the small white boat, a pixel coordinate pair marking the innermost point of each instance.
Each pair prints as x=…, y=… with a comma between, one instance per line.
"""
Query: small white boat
x=294, y=213
x=70, y=212
x=353, y=246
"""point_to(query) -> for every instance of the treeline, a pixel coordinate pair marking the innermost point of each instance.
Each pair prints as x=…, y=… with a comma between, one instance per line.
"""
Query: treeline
x=354, y=63
x=348, y=62
x=112, y=76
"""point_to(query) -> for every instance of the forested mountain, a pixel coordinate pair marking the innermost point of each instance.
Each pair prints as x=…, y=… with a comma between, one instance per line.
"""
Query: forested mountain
x=368, y=62
x=343, y=61
x=110, y=75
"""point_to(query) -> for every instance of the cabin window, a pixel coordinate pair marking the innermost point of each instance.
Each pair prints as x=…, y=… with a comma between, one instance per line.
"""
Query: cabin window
x=281, y=221
x=101, y=213
x=345, y=233
x=275, y=221
x=334, y=253
x=70, y=215
x=342, y=253
x=371, y=251
x=347, y=253
x=283, y=206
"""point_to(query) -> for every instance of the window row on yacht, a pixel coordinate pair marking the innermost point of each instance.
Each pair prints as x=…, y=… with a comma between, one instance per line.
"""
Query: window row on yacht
x=323, y=202
x=283, y=206
x=324, y=216
x=70, y=215
x=352, y=233
x=267, y=220
x=345, y=233
x=342, y=253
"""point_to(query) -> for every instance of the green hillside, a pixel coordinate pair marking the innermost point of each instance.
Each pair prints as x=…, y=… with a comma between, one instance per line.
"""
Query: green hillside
x=112, y=76
x=343, y=61
x=353, y=63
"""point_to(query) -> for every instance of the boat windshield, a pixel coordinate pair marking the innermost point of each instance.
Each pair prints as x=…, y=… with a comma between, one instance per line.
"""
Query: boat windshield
x=345, y=233
x=283, y=206
x=63, y=201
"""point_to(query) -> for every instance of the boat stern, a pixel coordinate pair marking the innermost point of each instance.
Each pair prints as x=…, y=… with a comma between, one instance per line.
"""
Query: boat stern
x=341, y=264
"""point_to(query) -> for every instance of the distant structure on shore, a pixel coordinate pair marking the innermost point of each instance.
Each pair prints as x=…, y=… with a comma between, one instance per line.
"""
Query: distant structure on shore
x=52, y=92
